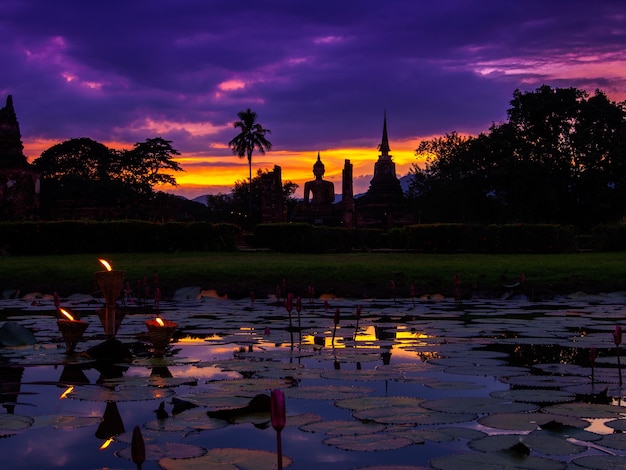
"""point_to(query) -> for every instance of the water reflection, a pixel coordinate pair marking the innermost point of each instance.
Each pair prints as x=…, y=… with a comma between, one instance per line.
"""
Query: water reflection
x=224, y=348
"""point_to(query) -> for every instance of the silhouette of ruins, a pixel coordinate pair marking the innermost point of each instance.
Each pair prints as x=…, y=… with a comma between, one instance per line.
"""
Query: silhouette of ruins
x=19, y=182
x=383, y=205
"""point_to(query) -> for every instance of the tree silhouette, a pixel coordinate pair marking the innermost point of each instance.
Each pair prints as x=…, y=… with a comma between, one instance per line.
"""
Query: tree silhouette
x=251, y=138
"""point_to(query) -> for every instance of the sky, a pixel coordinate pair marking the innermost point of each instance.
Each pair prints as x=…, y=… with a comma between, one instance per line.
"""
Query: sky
x=321, y=75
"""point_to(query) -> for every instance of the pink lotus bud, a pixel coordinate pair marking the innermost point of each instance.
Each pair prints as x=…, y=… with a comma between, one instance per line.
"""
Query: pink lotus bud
x=593, y=354
x=157, y=294
x=277, y=409
x=336, y=319
x=289, y=302
x=298, y=304
x=412, y=290
x=617, y=335
x=358, y=312
x=57, y=301
x=252, y=296
x=457, y=280
x=137, y=447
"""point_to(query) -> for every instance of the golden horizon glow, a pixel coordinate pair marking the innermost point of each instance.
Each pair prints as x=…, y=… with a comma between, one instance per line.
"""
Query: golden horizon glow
x=204, y=173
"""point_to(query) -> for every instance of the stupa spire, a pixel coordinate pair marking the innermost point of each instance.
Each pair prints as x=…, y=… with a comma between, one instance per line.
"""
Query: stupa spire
x=384, y=144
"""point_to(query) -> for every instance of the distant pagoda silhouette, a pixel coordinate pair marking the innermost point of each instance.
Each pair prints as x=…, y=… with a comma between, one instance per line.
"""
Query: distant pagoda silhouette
x=384, y=204
x=19, y=182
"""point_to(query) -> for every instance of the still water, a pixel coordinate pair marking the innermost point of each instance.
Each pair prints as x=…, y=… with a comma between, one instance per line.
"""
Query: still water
x=409, y=382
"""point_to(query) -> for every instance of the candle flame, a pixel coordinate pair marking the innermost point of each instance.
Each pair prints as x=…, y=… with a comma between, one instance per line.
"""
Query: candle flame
x=67, y=314
x=106, y=264
x=160, y=322
x=106, y=443
x=67, y=391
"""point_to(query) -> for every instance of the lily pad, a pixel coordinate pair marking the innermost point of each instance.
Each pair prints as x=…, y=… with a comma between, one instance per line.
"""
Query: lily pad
x=495, y=461
x=227, y=459
x=586, y=410
x=131, y=393
x=534, y=396
x=11, y=423
x=411, y=413
x=528, y=421
x=343, y=428
x=599, y=462
x=369, y=442
x=543, y=442
x=614, y=441
x=480, y=405
x=326, y=392
x=173, y=450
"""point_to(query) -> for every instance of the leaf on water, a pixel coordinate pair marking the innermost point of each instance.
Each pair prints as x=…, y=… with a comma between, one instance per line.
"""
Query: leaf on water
x=441, y=385
x=368, y=374
x=479, y=405
x=528, y=421
x=495, y=461
x=196, y=419
x=599, y=462
x=411, y=413
x=364, y=403
x=494, y=371
x=325, y=392
x=227, y=459
x=534, y=396
x=369, y=442
x=617, y=424
x=134, y=392
x=343, y=428
x=614, y=441
x=173, y=450
x=542, y=442
x=586, y=410
x=11, y=423
x=302, y=419
x=542, y=381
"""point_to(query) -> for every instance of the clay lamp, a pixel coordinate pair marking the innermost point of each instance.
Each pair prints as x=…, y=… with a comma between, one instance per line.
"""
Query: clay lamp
x=160, y=332
x=110, y=282
x=71, y=329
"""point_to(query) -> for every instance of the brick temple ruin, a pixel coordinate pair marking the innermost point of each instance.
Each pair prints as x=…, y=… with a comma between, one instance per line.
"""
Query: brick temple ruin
x=19, y=182
x=383, y=205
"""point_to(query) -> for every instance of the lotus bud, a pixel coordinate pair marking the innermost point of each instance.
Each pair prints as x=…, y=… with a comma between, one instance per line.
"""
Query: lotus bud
x=277, y=409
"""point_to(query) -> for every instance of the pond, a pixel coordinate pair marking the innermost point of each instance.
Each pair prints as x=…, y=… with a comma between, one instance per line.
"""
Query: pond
x=406, y=383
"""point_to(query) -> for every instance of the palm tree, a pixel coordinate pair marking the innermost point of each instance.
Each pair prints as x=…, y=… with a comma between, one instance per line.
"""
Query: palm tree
x=251, y=137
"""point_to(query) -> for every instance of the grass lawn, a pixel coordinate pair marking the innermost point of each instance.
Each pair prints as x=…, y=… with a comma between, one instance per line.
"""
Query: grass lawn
x=347, y=275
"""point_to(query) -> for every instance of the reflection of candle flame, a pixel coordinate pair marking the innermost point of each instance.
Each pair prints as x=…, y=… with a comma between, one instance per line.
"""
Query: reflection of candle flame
x=106, y=264
x=106, y=443
x=160, y=322
x=67, y=314
x=69, y=390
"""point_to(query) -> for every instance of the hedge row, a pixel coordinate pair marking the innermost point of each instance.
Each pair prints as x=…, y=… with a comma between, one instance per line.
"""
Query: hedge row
x=65, y=237
x=435, y=238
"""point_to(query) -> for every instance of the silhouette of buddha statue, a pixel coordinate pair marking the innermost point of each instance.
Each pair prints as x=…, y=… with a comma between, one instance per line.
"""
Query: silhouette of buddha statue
x=319, y=191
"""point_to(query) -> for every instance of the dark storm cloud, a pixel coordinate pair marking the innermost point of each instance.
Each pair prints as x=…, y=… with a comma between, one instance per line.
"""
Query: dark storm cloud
x=320, y=74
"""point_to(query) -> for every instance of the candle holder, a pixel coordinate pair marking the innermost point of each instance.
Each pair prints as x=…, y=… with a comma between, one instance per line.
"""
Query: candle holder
x=110, y=283
x=160, y=333
x=72, y=332
x=119, y=317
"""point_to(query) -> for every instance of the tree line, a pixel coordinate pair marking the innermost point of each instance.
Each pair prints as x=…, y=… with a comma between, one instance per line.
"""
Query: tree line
x=560, y=158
